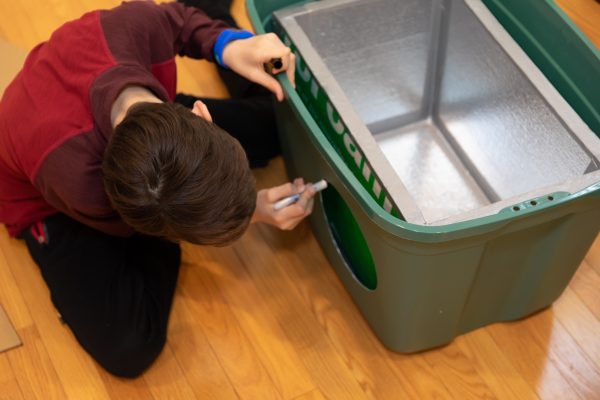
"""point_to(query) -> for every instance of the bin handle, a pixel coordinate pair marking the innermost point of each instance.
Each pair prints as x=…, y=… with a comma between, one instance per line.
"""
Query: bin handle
x=551, y=198
x=536, y=202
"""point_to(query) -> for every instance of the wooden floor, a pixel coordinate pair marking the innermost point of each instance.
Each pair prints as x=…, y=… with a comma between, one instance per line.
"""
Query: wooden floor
x=268, y=318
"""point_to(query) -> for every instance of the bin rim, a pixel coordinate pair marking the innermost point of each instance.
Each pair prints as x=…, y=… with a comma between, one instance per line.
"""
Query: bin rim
x=255, y=19
x=573, y=93
x=397, y=226
x=568, y=22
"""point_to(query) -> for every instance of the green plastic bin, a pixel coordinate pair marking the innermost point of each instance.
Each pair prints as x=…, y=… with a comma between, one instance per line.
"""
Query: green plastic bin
x=419, y=286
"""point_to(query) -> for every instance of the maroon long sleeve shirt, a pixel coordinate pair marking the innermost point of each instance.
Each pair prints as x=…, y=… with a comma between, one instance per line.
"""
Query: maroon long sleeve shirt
x=55, y=115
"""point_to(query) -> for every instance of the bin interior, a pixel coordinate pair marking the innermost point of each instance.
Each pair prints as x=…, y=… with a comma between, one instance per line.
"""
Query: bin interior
x=450, y=110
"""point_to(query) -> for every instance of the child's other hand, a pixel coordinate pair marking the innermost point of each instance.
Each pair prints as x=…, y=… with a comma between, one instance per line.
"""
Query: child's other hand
x=248, y=57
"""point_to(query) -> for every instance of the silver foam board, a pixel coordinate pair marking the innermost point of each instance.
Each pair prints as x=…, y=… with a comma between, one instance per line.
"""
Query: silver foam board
x=450, y=112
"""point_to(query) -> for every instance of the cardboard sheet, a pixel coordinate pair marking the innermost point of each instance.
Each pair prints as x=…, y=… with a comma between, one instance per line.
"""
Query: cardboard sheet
x=8, y=336
x=12, y=60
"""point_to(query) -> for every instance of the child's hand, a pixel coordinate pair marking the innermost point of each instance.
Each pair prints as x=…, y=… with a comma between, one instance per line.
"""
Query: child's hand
x=288, y=217
x=248, y=57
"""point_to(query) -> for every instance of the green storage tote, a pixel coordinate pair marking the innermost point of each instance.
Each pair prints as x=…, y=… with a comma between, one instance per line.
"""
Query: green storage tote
x=420, y=284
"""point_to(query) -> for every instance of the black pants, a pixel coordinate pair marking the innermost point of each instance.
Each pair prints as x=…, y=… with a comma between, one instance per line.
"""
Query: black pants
x=116, y=293
x=250, y=120
x=248, y=115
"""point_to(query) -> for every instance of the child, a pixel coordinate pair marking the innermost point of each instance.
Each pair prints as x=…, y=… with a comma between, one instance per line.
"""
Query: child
x=101, y=173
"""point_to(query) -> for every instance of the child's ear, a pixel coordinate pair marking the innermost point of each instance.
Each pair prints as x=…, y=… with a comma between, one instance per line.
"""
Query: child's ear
x=196, y=109
x=201, y=110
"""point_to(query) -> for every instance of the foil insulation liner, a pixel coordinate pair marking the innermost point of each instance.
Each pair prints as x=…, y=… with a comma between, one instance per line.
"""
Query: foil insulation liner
x=453, y=117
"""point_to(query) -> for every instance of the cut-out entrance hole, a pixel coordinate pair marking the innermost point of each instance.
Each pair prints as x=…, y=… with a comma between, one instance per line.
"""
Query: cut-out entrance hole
x=349, y=238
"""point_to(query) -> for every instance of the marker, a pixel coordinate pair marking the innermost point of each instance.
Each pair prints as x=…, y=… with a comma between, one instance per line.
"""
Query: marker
x=273, y=64
x=276, y=63
x=286, y=201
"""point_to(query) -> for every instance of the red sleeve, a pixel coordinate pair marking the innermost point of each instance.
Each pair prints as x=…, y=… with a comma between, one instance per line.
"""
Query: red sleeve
x=146, y=33
x=110, y=83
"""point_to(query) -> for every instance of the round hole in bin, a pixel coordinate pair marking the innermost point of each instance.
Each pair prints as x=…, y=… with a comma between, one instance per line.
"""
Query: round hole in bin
x=533, y=203
x=349, y=238
x=550, y=198
x=516, y=208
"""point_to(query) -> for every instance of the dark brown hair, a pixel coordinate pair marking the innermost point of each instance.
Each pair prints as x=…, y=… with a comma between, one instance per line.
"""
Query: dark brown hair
x=170, y=173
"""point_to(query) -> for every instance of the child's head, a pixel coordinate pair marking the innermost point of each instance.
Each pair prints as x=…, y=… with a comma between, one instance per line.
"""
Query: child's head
x=170, y=173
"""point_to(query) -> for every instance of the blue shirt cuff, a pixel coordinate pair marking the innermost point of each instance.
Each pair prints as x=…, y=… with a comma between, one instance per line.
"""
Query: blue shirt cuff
x=227, y=36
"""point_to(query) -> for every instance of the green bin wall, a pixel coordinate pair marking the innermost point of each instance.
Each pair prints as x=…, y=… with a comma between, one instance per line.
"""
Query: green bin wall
x=421, y=286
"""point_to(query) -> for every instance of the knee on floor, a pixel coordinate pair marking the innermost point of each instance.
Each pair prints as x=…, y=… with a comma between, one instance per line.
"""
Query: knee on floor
x=131, y=355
